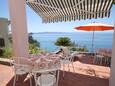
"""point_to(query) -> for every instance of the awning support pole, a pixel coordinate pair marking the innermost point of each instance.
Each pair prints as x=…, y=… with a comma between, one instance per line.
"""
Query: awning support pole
x=112, y=74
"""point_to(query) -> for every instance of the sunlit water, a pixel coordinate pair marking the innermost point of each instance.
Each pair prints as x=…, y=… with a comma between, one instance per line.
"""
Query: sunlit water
x=101, y=39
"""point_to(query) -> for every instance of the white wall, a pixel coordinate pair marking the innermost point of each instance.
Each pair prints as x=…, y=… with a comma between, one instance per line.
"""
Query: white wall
x=4, y=30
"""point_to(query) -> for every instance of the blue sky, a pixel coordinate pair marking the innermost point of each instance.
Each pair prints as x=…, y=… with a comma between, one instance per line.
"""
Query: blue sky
x=35, y=24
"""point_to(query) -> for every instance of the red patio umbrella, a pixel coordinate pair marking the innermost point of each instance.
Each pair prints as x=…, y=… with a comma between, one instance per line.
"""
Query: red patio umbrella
x=95, y=27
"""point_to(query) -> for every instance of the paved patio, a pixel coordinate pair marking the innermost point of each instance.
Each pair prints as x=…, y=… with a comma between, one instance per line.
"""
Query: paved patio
x=84, y=75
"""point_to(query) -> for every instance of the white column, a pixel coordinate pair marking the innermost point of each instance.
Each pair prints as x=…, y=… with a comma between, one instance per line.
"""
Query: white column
x=19, y=27
x=112, y=76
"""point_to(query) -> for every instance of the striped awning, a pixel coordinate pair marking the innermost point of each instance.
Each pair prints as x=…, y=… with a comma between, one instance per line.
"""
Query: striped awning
x=68, y=10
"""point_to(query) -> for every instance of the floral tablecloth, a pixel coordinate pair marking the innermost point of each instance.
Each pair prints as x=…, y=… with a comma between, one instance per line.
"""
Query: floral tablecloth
x=41, y=62
x=45, y=61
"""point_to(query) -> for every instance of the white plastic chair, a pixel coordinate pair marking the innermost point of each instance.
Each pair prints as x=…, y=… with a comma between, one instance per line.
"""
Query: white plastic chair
x=67, y=58
x=47, y=76
x=99, y=57
x=21, y=68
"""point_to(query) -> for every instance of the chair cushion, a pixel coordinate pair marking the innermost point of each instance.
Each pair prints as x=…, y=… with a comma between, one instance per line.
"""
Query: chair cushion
x=46, y=80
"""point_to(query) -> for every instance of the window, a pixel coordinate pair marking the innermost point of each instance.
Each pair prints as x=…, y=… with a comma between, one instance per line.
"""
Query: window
x=2, y=44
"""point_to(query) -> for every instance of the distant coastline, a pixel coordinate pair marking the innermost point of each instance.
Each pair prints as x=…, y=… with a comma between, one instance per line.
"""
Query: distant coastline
x=72, y=32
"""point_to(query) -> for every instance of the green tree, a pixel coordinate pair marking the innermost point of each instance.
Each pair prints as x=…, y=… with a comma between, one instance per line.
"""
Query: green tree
x=34, y=45
x=64, y=41
x=33, y=41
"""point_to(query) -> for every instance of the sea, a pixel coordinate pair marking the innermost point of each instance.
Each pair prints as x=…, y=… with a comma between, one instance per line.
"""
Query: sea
x=101, y=39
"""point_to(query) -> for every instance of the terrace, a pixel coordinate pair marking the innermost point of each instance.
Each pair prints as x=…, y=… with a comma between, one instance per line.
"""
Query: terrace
x=84, y=75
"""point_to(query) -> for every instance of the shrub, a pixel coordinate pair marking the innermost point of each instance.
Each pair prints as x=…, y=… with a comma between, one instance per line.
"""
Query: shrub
x=33, y=45
x=7, y=53
x=79, y=49
x=33, y=49
x=82, y=49
x=73, y=49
